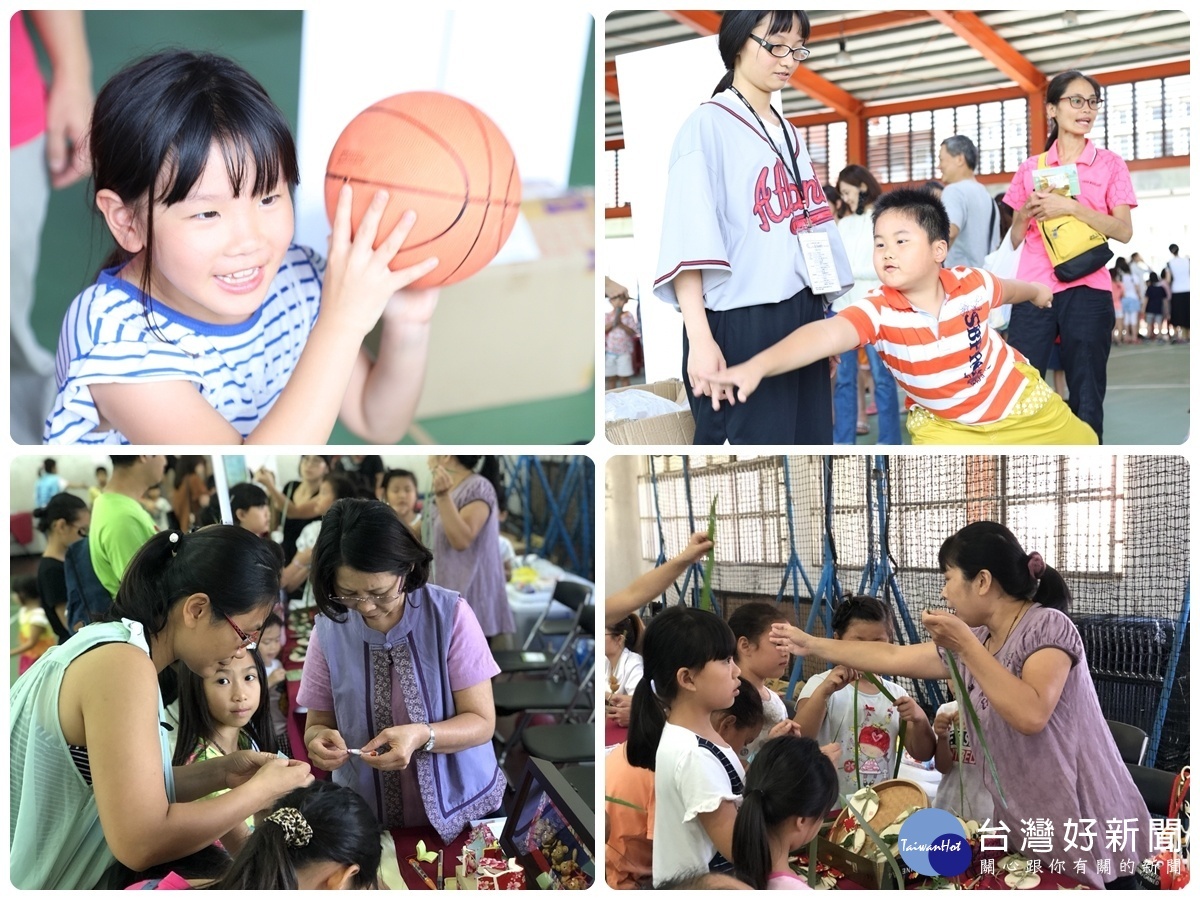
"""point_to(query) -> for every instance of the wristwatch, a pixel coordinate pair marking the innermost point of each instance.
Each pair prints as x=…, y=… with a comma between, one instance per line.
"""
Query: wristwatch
x=428, y=748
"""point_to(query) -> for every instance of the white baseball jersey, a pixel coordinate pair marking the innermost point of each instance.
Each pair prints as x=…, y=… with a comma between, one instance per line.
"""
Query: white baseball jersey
x=733, y=211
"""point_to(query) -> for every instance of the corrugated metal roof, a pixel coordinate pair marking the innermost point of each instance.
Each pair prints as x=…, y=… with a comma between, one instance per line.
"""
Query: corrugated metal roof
x=923, y=57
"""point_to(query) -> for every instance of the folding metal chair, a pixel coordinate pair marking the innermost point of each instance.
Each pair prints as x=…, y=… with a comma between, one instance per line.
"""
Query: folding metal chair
x=571, y=594
x=1131, y=742
x=562, y=744
x=571, y=701
x=559, y=665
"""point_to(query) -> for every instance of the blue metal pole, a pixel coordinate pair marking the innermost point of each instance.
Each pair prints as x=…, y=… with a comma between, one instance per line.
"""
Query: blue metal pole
x=1164, y=698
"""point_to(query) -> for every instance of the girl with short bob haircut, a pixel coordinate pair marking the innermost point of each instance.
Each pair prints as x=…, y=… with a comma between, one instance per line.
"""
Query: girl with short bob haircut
x=203, y=325
x=91, y=773
x=1024, y=667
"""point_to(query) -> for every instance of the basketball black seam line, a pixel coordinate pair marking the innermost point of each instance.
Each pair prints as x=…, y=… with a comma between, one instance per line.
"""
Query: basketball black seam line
x=483, y=220
x=428, y=192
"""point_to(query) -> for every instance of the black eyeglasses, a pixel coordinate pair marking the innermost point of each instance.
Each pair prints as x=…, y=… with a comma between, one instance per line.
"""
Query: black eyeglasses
x=82, y=531
x=1078, y=102
x=782, y=51
x=249, y=641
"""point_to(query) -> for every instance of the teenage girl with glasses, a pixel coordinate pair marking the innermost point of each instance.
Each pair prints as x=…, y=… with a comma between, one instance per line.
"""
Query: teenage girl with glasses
x=750, y=248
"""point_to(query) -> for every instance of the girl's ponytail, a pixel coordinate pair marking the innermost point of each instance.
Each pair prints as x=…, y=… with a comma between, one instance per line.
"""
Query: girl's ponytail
x=646, y=720
x=751, y=840
x=1052, y=590
x=264, y=862
x=790, y=778
x=677, y=638
x=321, y=823
x=725, y=83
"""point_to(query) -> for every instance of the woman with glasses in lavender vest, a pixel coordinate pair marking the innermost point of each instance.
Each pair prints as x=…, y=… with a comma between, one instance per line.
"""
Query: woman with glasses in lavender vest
x=397, y=679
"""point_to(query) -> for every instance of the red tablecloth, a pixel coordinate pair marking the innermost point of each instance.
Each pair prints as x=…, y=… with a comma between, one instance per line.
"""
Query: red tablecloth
x=406, y=846
x=1049, y=880
x=613, y=733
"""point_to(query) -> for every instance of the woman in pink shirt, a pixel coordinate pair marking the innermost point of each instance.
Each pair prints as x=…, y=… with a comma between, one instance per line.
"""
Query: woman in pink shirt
x=1082, y=311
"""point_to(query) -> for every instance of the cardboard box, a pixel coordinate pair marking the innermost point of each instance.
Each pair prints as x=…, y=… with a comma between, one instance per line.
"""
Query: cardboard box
x=518, y=332
x=672, y=428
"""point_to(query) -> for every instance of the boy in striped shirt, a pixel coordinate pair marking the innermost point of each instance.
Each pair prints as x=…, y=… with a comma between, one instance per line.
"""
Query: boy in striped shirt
x=964, y=384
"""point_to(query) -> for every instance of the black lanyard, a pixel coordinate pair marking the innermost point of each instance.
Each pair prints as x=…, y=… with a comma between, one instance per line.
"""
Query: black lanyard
x=787, y=139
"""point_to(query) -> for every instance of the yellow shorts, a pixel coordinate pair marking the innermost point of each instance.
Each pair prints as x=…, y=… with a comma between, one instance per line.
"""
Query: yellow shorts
x=1040, y=417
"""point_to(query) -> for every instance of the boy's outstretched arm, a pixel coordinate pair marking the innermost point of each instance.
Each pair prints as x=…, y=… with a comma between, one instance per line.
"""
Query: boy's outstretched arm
x=1013, y=291
x=804, y=346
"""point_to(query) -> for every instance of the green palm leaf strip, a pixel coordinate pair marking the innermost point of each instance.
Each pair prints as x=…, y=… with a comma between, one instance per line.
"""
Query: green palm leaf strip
x=964, y=701
x=962, y=784
x=854, y=739
x=620, y=802
x=812, y=863
x=706, y=587
x=878, y=682
x=879, y=842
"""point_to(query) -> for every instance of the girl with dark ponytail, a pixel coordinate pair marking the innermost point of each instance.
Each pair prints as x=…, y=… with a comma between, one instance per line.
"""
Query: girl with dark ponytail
x=321, y=837
x=744, y=216
x=689, y=674
x=91, y=774
x=789, y=789
x=464, y=521
x=1025, y=672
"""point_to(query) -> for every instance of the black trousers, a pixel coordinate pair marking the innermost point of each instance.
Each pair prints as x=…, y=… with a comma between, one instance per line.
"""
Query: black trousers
x=1084, y=317
x=792, y=408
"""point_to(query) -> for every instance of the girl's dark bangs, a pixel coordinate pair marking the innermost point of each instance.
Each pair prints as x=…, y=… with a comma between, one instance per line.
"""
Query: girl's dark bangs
x=715, y=638
x=245, y=141
x=781, y=20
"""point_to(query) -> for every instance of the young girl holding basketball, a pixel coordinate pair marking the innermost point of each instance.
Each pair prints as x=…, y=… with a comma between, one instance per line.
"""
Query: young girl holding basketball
x=861, y=718
x=207, y=325
x=689, y=675
x=789, y=789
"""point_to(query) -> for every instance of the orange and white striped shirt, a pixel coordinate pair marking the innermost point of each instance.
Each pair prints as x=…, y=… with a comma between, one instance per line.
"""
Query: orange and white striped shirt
x=951, y=364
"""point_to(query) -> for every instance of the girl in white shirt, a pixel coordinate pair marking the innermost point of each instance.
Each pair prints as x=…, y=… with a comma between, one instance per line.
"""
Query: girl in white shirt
x=760, y=660
x=690, y=673
x=622, y=666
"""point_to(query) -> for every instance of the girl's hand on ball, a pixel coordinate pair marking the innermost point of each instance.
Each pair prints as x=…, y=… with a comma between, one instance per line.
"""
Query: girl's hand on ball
x=358, y=282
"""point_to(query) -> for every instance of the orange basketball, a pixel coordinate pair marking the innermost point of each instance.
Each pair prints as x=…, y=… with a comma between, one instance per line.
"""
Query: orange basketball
x=445, y=160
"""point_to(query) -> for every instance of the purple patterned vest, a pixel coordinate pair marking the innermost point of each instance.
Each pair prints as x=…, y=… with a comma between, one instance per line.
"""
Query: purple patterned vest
x=365, y=668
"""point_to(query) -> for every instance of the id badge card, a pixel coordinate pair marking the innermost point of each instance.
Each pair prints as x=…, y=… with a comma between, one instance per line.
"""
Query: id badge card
x=818, y=259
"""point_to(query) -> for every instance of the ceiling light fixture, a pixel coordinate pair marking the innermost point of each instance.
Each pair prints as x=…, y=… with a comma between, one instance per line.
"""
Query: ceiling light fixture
x=1070, y=18
x=843, y=57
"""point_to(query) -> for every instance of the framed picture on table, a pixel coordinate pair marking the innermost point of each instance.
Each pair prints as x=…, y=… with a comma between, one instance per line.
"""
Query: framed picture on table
x=551, y=831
